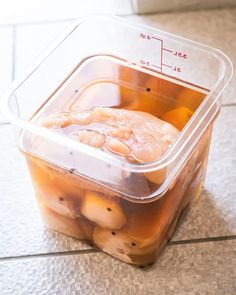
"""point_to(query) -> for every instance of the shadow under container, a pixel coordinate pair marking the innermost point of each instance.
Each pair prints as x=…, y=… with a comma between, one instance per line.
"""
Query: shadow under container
x=128, y=210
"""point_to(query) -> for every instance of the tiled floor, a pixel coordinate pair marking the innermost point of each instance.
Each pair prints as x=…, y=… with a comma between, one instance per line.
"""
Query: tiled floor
x=201, y=257
x=206, y=268
x=26, y=11
x=6, y=59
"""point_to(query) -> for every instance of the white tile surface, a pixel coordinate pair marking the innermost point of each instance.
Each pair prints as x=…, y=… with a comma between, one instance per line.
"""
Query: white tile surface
x=6, y=55
x=24, y=11
x=215, y=212
x=31, y=40
x=21, y=230
x=206, y=268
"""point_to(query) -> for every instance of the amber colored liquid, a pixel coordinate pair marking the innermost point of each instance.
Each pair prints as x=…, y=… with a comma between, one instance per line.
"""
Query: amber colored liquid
x=123, y=87
x=130, y=231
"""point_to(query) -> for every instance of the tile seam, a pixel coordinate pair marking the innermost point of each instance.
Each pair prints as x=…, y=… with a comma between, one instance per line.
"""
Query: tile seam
x=93, y=250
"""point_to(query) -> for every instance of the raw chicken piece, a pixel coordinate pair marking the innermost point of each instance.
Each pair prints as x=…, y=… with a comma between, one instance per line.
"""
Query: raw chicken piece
x=120, y=245
x=104, y=211
x=76, y=228
x=137, y=136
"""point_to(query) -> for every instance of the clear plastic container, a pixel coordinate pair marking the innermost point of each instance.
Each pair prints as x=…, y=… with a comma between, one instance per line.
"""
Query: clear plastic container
x=125, y=208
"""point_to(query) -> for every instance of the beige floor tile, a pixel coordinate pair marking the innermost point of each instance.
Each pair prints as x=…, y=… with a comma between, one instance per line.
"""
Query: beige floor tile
x=21, y=230
x=205, y=268
x=215, y=212
x=37, y=11
x=151, y=6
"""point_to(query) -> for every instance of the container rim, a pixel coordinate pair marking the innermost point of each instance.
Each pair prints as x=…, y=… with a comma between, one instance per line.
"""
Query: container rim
x=172, y=153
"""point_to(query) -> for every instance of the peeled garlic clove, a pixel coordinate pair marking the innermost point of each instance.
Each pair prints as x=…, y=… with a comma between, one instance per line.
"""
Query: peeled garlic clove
x=60, y=203
x=120, y=245
x=61, y=223
x=112, y=242
x=104, y=211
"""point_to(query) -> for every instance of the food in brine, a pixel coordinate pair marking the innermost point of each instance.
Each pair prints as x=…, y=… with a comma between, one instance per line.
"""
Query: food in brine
x=151, y=94
x=59, y=202
x=178, y=117
x=120, y=245
x=103, y=210
x=189, y=98
x=76, y=228
x=137, y=136
x=56, y=189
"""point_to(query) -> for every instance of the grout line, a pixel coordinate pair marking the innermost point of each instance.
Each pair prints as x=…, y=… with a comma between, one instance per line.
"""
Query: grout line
x=53, y=254
x=96, y=250
x=233, y=104
x=202, y=240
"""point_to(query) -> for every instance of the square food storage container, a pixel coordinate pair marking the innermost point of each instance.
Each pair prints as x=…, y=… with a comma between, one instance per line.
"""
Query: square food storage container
x=128, y=209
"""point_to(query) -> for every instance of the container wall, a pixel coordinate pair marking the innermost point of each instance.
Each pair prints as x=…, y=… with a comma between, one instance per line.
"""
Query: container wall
x=132, y=232
x=125, y=206
x=155, y=51
x=106, y=82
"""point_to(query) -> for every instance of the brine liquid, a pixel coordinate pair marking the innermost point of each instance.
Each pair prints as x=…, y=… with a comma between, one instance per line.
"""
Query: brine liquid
x=106, y=83
x=132, y=232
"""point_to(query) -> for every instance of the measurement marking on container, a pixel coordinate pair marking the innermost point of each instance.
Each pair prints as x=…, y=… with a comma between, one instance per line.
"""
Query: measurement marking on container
x=174, y=68
x=156, y=66
x=167, y=66
x=149, y=37
x=145, y=36
x=177, y=69
x=160, y=40
x=168, y=50
x=157, y=39
x=161, y=54
x=180, y=54
x=144, y=62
